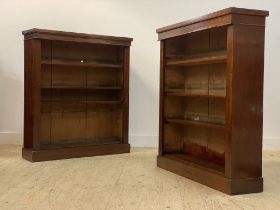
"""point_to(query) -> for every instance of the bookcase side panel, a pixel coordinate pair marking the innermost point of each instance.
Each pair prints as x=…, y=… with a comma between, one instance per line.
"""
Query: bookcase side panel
x=245, y=111
x=32, y=93
x=125, y=128
x=161, y=97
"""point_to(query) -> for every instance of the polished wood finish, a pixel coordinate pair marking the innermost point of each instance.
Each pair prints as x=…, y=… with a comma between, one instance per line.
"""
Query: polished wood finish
x=170, y=93
x=79, y=64
x=45, y=34
x=209, y=177
x=232, y=15
x=32, y=60
x=205, y=58
x=74, y=152
x=211, y=99
x=194, y=123
x=83, y=87
x=76, y=95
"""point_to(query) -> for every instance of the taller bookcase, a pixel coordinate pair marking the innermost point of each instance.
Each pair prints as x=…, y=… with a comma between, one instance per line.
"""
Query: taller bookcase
x=75, y=94
x=211, y=99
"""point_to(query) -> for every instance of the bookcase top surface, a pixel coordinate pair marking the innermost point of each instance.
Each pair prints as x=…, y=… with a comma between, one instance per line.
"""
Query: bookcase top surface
x=36, y=33
x=217, y=14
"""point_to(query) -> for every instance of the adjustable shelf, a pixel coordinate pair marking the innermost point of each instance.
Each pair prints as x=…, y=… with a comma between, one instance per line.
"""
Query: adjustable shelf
x=195, y=123
x=76, y=95
x=85, y=101
x=82, y=142
x=171, y=92
x=69, y=87
x=197, y=162
x=81, y=63
x=197, y=59
x=211, y=75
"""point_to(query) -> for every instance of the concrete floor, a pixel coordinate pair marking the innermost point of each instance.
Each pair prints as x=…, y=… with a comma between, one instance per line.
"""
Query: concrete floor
x=126, y=181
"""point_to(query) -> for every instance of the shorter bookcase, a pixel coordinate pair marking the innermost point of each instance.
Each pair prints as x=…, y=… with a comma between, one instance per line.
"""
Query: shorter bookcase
x=76, y=95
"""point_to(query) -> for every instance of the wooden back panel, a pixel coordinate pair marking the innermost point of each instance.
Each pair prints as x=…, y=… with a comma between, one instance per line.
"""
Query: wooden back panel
x=70, y=116
x=197, y=81
x=86, y=51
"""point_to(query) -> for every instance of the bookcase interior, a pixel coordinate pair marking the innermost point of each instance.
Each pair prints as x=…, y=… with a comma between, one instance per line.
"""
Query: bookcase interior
x=195, y=97
x=81, y=94
x=206, y=41
x=199, y=109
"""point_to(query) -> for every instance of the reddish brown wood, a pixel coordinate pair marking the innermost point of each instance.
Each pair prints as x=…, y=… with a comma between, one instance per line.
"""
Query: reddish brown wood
x=74, y=152
x=32, y=95
x=209, y=177
x=220, y=18
x=226, y=156
x=246, y=68
x=79, y=64
x=195, y=123
x=218, y=14
x=36, y=33
x=204, y=153
x=169, y=93
x=203, y=25
x=126, y=94
x=82, y=87
x=205, y=58
x=76, y=95
x=161, y=97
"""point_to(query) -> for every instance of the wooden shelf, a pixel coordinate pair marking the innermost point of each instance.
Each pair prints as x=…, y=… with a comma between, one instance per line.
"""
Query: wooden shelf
x=74, y=151
x=83, y=101
x=195, y=123
x=82, y=87
x=184, y=94
x=86, y=63
x=83, y=142
x=198, y=59
x=189, y=159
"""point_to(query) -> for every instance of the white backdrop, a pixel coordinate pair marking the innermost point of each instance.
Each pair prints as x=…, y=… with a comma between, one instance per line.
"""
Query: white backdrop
x=137, y=19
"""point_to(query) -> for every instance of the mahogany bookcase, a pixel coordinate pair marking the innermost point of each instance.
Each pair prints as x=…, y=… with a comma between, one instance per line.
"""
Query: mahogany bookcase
x=211, y=99
x=76, y=92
